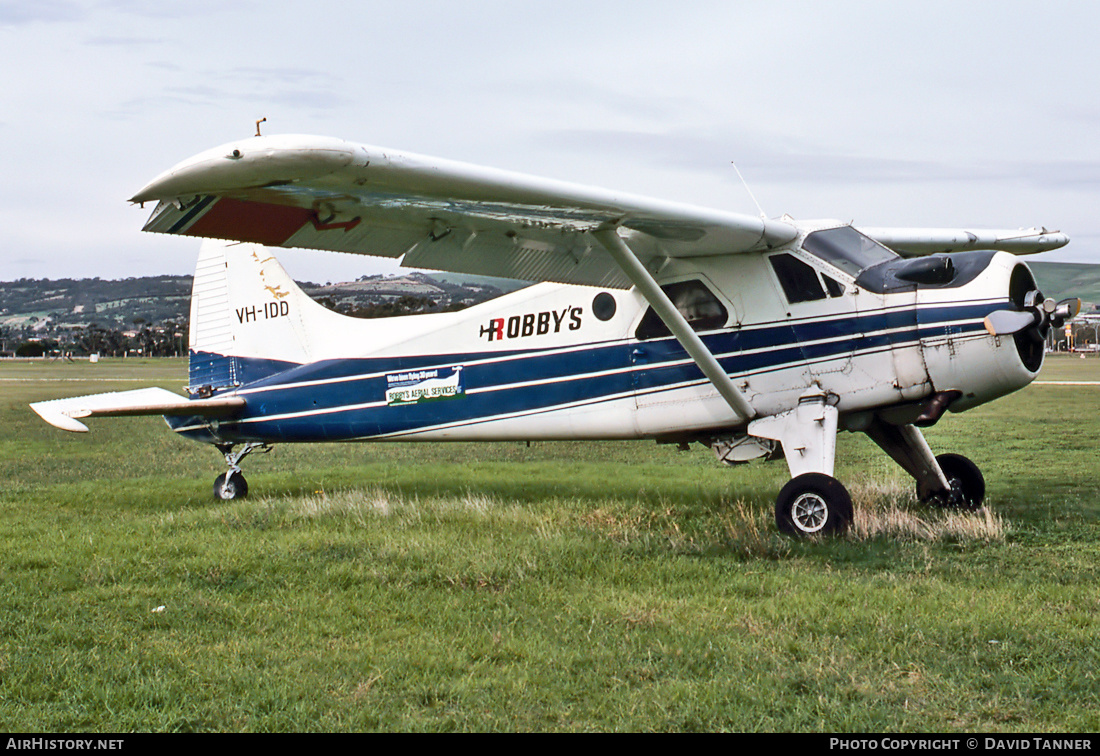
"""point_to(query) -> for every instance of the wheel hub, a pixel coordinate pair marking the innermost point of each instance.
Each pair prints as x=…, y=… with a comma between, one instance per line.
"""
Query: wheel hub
x=809, y=512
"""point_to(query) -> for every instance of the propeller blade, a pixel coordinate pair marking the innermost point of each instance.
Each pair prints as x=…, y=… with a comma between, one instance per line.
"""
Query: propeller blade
x=1065, y=310
x=1007, y=322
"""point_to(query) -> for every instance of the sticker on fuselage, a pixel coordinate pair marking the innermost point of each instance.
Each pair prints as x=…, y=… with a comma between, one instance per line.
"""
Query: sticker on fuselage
x=417, y=386
x=533, y=324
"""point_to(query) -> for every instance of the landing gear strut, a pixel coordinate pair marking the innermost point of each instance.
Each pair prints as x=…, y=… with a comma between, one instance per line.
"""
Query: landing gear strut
x=947, y=480
x=813, y=502
x=232, y=485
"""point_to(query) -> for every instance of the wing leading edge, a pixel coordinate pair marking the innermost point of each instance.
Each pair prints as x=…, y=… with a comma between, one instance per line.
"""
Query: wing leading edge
x=322, y=193
x=318, y=193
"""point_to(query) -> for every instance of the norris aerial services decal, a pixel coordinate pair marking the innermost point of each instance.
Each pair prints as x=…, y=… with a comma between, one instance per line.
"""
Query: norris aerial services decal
x=417, y=386
x=533, y=324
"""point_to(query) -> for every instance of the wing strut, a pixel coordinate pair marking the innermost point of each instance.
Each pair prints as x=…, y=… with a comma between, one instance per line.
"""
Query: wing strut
x=610, y=240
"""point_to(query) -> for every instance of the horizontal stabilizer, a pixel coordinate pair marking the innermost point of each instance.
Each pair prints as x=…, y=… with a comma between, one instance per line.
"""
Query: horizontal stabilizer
x=61, y=413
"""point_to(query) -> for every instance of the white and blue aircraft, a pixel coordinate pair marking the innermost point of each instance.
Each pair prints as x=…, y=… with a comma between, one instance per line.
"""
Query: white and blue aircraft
x=652, y=320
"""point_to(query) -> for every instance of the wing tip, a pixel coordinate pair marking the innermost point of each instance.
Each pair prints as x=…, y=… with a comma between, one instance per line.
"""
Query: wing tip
x=58, y=418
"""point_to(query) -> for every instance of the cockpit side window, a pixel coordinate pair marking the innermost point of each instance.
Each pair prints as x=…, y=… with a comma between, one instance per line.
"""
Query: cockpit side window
x=834, y=287
x=847, y=249
x=798, y=279
x=702, y=310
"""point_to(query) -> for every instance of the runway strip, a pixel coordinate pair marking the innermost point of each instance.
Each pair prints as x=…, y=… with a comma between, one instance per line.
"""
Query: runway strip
x=1065, y=383
x=91, y=380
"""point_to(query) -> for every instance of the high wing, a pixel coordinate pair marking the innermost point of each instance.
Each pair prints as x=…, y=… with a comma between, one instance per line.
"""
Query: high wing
x=320, y=193
x=62, y=413
x=914, y=242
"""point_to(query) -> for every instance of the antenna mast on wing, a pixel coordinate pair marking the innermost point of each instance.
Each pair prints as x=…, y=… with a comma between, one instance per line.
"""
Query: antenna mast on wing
x=746, y=185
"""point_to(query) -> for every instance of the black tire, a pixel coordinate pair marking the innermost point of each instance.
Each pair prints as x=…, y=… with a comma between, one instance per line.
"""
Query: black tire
x=967, y=485
x=230, y=486
x=813, y=504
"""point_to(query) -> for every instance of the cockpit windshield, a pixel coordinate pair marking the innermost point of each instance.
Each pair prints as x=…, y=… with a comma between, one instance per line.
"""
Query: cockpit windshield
x=847, y=249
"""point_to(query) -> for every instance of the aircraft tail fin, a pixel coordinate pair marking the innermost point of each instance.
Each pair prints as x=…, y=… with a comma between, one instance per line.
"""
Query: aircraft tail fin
x=249, y=319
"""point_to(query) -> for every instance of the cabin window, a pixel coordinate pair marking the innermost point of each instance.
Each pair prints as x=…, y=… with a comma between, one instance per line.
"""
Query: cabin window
x=798, y=279
x=834, y=287
x=696, y=303
x=847, y=249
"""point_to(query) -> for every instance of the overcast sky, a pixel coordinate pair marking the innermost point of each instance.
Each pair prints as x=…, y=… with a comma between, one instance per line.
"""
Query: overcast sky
x=929, y=113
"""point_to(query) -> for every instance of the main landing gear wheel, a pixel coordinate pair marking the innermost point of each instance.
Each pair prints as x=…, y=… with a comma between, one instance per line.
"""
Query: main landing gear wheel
x=967, y=484
x=813, y=504
x=229, y=486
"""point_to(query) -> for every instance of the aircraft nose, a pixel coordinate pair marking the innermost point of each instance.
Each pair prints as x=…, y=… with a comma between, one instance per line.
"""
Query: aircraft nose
x=1029, y=316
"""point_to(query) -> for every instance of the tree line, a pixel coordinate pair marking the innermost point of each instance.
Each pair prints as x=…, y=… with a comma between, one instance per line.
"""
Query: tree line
x=167, y=339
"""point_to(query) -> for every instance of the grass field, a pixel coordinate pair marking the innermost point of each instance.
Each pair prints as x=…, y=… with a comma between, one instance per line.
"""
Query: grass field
x=556, y=587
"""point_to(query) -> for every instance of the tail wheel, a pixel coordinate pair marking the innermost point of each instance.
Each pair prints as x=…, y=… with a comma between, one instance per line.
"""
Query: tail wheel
x=232, y=485
x=813, y=504
x=228, y=486
x=967, y=484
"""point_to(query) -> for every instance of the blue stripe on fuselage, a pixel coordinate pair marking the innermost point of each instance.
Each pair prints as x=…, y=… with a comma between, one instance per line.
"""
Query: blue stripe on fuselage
x=345, y=399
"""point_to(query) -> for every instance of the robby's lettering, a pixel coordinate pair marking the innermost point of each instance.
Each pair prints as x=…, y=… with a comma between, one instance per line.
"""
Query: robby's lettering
x=533, y=324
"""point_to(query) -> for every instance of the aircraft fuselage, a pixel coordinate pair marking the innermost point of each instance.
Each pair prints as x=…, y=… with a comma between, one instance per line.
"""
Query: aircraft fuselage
x=574, y=362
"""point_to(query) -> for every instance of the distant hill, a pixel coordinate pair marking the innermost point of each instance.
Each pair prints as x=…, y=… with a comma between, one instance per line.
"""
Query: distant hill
x=93, y=300
x=414, y=292
x=41, y=304
x=1064, y=280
